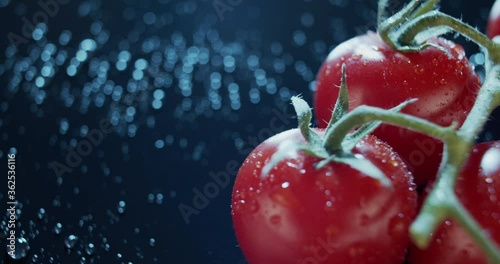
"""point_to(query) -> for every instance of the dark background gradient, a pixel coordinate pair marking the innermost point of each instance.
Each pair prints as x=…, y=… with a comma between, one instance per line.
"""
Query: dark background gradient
x=154, y=158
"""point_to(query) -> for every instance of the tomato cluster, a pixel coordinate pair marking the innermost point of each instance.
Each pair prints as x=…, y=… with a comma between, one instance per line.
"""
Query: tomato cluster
x=301, y=213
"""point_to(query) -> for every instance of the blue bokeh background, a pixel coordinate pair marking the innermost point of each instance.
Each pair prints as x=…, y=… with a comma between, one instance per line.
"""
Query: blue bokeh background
x=174, y=121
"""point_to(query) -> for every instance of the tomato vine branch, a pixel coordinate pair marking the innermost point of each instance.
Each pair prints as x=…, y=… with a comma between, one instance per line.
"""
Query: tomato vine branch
x=435, y=19
x=365, y=114
x=442, y=202
x=387, y=27
x=426, y=7
x=461, y=214
x=487, y=100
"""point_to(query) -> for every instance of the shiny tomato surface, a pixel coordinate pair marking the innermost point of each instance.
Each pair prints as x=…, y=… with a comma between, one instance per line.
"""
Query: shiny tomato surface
x=300, y=214
x=445, y=85
x=478, y=188
x=494, y=21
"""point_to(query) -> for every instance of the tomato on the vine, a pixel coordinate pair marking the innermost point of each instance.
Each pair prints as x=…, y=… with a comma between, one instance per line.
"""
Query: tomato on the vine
x=494, y=21
x=335, y=214
x=478, y=188
x=377, y=75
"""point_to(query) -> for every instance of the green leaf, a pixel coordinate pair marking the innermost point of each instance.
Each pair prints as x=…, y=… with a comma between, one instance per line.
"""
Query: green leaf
x=342, y=104
x=387, y=27
x=323, y=163
x=287, y=147
x=304, y=116
x=428, y=6
x=354, y=138
x=358, y=162
x=400, y=17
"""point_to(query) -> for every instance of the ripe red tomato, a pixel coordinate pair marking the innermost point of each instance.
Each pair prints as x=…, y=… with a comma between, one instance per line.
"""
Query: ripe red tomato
x=299, y=214
x=377, y=75
x=494, y=21
x=478, y=188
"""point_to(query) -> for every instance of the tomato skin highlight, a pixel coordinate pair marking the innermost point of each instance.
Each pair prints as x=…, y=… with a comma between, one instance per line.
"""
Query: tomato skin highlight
x=478, y=188
x=377, y=75
x=493, y=28
x=335, y=214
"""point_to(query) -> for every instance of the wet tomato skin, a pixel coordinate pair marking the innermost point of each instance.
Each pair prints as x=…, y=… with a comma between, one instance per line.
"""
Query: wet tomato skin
x=478, y=188
x=299, y=214
x=377, y=75
x=494, y=21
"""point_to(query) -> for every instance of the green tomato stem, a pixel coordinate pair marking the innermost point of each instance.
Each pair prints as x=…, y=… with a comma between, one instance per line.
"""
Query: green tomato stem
x=437, y=20
x=442, y=202
x=365, y=114
x=425, y=8
x=386, y=27
x=382, y=6
x=463, y=217
x=487, y=100
x=342, y=105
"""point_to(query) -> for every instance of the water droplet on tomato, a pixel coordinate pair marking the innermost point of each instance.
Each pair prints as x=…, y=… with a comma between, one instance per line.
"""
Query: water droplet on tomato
x=291, y=164
x=238, y=205
x=362, y=202
x=275, y=219
x=254, y=206
x=357, y=57
x=364, y=220
x=419, y=69
x=464, y=253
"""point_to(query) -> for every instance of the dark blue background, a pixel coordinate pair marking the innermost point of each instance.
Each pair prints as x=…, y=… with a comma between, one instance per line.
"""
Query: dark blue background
x=111, y=173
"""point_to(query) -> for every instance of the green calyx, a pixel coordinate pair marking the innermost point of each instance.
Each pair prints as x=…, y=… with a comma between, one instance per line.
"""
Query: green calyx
x=317, y=146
